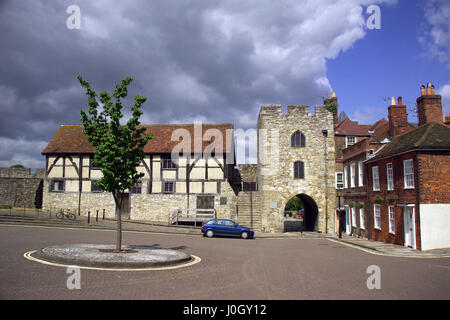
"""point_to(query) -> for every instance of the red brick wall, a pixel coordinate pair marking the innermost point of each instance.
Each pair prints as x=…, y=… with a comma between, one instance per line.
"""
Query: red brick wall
x=404, y=196
x=429, y=108
x=434, y=171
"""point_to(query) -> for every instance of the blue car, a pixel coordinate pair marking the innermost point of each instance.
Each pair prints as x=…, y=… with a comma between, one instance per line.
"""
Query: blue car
x=225, y=227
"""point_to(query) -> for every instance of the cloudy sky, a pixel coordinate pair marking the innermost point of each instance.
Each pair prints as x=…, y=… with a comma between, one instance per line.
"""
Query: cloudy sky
x=212, y=60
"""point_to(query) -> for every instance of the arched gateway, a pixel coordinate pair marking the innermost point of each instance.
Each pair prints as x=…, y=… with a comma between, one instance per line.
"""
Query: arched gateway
x=300, y=213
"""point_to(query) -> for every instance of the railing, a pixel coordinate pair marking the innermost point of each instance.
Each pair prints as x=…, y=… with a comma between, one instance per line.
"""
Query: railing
x=191, y=215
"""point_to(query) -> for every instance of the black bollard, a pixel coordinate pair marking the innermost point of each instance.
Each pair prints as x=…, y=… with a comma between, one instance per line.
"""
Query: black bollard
x=89, y=216
x=96, y=216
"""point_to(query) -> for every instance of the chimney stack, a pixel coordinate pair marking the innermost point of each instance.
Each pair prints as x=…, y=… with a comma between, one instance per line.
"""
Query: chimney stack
x=398, y=117
x=429, y=106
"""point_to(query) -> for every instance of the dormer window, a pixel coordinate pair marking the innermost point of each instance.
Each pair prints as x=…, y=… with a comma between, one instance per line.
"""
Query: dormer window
x=350, y=141
x=298, y=139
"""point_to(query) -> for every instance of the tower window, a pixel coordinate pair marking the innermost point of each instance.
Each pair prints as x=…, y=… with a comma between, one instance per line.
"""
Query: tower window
x=298, y=139
x=299, y=170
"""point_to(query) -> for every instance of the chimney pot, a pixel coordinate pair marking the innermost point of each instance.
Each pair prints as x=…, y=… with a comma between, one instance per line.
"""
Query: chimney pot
x=333, y=94
x=399, y=101
x=392, y=101
x=422, y=90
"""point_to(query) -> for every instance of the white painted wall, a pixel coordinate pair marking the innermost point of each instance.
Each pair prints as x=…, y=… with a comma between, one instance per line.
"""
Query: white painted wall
x=435, y=226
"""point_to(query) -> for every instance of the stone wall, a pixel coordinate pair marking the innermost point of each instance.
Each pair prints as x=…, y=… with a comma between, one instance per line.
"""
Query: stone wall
x=248, y=172
x=276, y=160
x=21, y=188
x=149, y=207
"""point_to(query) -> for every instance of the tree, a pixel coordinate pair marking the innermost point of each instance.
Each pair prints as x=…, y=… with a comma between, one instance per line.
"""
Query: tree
x=294, y=204
x=119, y=149
x=17, y=166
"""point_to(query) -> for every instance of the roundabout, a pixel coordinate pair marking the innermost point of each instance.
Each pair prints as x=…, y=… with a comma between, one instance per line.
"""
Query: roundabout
x=104, y=257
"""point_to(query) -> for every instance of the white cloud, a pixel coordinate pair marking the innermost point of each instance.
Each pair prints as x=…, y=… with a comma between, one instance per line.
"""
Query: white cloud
x=368, y=115
x=20, y=151
x=437, y=38
x=444, y=91
x=216, y=61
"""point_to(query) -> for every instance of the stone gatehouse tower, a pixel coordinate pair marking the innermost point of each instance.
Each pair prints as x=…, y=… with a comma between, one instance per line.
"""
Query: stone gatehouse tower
x=296, y=158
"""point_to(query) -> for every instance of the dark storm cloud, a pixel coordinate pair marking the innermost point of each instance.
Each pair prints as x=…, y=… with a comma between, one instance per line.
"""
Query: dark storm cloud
x=216, y=61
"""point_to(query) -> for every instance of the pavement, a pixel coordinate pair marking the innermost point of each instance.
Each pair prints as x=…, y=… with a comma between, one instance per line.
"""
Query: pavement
x=374, y=247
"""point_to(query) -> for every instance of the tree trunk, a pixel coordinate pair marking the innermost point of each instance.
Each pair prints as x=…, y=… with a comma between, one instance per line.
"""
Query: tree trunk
x=118, y=200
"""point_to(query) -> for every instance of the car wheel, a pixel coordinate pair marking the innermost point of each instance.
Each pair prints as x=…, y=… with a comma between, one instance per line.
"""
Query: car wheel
x=210, y=233
x=244, y=235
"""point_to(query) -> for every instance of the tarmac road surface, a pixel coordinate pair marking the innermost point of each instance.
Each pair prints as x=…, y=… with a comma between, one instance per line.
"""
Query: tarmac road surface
x=230, y=269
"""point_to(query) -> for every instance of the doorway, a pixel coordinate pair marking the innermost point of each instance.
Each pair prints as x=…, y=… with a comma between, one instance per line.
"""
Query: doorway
x=408, y=217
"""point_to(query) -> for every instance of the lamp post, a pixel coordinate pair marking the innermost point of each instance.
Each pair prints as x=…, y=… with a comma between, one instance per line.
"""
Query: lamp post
x=339, y=195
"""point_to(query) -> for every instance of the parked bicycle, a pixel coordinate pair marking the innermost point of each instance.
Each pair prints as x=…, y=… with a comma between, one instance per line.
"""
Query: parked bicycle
x=65, y=213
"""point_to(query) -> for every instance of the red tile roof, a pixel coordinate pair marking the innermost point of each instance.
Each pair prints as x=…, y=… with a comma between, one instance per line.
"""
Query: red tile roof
x=352, y=128
x=71, y=139
x=430, y=136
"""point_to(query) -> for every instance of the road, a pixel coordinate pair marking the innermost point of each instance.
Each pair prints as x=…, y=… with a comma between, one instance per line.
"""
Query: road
x=231, y=269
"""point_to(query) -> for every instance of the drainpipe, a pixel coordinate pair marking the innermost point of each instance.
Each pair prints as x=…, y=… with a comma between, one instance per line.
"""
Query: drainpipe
x=80, y=181
x=325, y=134
x=367, y=212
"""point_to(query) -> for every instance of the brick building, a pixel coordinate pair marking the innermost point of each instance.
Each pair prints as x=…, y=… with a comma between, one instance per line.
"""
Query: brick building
x=355, y=176
x=408, y=180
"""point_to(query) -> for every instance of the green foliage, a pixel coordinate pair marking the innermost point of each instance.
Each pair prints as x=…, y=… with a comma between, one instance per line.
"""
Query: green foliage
x=332, y=107
x=5, y=206
x=392, y=198
x=294, y=204
x=351, y=204
x=17, y=166
x=119, y=149
x=378, y=199
x=359, y=205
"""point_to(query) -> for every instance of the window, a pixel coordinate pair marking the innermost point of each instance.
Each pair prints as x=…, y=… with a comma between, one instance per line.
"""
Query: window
x=345, y=177
x=168, y=187
x=299, y=170
x=137, y=188
x=360, y=174
x=391, y=211
x=95, y=187
x=339, y=180
x=390, y=176
x=377, y=216
x=375, y=178
x=229, y=223
x=298, y=139
x=353, y=217
x=361, y=218
x=352, y=175
x=408, y=171
x=350, y=141
x=168, y=164
x=57, y=186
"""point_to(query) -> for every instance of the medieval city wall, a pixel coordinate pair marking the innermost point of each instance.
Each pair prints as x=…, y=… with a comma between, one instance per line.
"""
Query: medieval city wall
x=21, y=188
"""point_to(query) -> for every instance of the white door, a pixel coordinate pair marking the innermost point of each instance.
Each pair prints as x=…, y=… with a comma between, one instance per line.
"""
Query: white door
x=348, y=222
x=408, y=216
